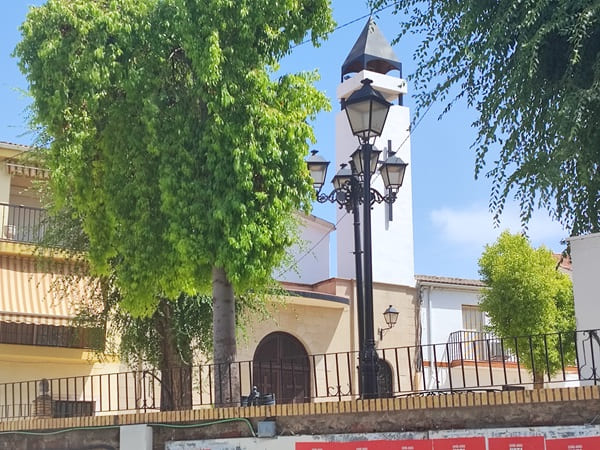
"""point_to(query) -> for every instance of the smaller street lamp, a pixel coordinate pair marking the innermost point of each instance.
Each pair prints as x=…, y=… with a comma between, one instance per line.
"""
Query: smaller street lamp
x=391, y=317
x=342, y=178
x=317, y=166
x=392, y=172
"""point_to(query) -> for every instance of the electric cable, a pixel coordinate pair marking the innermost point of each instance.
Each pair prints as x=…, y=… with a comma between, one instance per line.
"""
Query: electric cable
x=107, y=427
x=413, y=126
x=350, y=22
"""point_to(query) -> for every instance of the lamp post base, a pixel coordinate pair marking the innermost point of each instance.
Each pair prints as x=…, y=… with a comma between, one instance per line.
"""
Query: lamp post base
x=369, y=368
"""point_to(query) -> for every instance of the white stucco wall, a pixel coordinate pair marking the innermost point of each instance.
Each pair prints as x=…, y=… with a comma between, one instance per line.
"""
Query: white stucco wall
x=4, y=183
x=441, y=311
x=309, y=259
x=585, y=255
x=4, y=198
x=392, y=241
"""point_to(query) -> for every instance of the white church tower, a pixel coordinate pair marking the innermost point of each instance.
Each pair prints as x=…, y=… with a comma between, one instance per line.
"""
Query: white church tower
x=392, y=226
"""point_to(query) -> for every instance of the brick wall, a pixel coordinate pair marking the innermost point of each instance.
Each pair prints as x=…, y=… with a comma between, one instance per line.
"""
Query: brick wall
x=473, y=410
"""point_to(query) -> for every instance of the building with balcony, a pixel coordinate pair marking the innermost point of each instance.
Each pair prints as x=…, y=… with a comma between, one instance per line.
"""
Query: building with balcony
x=315, y=316
x=307, y=350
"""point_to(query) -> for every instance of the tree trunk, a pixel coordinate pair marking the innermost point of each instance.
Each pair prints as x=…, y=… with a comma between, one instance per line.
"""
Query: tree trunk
x=175, y=372
x=538, y=379
x=226, y=376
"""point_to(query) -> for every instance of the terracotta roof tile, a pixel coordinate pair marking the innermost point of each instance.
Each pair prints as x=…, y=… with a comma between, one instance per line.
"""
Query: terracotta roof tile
x=449, y=280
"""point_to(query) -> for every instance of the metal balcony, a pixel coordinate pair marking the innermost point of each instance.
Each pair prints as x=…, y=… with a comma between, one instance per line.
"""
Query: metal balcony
x=22, y=224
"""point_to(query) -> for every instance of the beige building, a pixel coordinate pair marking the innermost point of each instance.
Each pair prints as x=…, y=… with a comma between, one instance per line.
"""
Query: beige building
x=315, y=321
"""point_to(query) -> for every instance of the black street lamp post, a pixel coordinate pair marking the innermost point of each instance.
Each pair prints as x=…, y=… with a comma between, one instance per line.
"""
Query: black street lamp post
x=367, y=111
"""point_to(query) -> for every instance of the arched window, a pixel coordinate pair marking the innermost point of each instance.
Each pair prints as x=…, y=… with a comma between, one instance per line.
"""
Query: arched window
x=281, y=366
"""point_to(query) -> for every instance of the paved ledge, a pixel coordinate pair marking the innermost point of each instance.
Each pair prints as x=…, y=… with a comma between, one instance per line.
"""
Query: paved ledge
x=451, y=409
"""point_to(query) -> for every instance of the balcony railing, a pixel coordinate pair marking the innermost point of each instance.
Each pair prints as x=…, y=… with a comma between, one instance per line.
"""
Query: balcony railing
x=403, y=371
x=49, y=335
x=478, y=346
x=22, y=224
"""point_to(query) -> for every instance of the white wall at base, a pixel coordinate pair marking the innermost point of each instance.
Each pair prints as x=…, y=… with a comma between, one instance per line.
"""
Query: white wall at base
x=289, y=442
x=135, y=437
x=392, y=240
x=585, y=255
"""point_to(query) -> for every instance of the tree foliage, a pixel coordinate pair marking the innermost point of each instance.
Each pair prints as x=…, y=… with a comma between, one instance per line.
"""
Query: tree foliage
x=137, y=340
x=177, y=335
x=532, y=71
x=528, y=301
x=170, y=137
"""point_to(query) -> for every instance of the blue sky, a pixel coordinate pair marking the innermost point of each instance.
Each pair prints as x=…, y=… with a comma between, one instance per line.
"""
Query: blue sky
x=450, y=213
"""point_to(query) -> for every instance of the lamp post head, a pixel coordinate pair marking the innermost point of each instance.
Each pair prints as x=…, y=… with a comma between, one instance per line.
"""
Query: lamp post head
x=391, y=316
x=367, y=111
x=317, y=166
x=357, y=159
x=392, y=172
x=342, y=177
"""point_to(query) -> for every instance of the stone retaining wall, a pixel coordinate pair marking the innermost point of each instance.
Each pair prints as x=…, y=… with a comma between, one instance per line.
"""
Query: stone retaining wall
x=546, y=407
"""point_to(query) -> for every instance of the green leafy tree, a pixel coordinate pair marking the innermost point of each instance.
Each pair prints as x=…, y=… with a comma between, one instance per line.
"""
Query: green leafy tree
x=532, y=71
x=173, y=142
x=171, y=340
x=529, y=302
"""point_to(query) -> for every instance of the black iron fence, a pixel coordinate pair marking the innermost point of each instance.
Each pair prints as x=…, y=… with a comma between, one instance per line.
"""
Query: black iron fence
x=561, y=359
x=21, y=223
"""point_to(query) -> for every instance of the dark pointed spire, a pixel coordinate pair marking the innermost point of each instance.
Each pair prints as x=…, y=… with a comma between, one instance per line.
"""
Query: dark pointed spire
x=371, y=51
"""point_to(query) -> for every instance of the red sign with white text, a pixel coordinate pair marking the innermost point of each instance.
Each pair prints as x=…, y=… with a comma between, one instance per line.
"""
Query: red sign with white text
x=367, y=445
x=517, y=443
x=576, y=443
x=466, y=443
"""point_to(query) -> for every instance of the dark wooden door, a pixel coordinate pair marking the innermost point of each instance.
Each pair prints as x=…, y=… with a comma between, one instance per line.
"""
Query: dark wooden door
x=384, y=379
x=281, y=366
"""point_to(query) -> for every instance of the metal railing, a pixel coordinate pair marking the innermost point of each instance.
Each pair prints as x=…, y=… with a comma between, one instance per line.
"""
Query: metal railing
x=20, y=223
x=47, y=335
x=478, y=345
x=563, y=359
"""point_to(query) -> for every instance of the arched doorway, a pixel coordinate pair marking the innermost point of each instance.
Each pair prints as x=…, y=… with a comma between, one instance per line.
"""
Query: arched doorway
x=384, y=379
x=281, y=366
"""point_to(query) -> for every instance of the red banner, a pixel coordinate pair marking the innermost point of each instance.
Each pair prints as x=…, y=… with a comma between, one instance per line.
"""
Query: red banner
x=467, y=443
x=367, y=445
x=576, y=443
x=517, y=443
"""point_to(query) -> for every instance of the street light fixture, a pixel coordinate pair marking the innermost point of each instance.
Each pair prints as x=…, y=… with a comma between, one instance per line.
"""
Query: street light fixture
x=391, y=317
x=367, y=112
x=317, y=166
x=357, y=158
x=392, y=172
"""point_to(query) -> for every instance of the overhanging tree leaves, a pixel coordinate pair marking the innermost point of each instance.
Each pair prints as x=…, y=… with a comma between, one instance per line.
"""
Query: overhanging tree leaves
x=171, y=140
x=528, y=302
x=532, y=71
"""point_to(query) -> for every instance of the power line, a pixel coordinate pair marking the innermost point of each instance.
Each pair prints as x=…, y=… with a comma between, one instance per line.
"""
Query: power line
x=339, y=27
x=411, y=130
